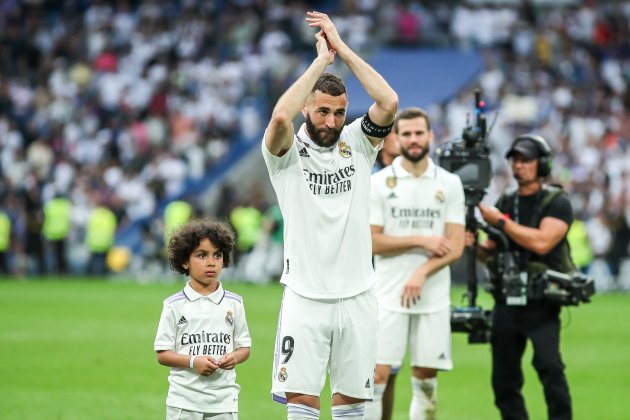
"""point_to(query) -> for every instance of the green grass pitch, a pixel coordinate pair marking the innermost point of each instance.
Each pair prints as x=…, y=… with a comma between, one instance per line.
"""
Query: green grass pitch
x=83, y=349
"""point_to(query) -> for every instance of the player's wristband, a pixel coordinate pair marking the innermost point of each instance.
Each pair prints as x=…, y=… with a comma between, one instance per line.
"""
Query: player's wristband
x=373, y=130
x=192, y=362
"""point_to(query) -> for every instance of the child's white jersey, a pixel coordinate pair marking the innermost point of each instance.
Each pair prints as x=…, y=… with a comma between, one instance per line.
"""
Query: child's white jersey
x=324, y=195
x=193, y=324
x=407, y=205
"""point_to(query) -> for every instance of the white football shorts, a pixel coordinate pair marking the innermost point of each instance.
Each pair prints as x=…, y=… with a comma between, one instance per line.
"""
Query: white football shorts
x=316, y=336
x=174, y=413
x=427, y=335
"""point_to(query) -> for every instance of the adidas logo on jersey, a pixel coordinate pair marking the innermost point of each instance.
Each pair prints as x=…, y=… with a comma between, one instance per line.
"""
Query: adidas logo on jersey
x=442, y=357
x=367, y=383
x=392, y=195
x=182, y=321
x=304, y=153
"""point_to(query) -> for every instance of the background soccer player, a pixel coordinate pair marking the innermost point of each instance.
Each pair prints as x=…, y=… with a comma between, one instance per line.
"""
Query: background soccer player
x=417, y=217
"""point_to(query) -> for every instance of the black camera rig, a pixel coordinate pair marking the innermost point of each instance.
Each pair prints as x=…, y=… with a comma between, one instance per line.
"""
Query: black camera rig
x=469, y=157
x=568, y=289
x=516, y=286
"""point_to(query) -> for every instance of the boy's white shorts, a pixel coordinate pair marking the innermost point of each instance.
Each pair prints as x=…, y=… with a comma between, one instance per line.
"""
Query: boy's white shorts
x=316, y=336
x=427, y=335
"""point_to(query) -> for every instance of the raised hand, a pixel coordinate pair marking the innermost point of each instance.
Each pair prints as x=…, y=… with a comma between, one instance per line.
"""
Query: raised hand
x=322, y=21
x=323, y=49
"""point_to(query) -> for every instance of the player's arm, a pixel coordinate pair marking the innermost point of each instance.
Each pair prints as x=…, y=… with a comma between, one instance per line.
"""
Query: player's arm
x=412, y=290
x=229, y=360
x=540, y=240
x=280, y=132
x=204, y=365
x=383, y=111
x=455, y=235
x=383, y=244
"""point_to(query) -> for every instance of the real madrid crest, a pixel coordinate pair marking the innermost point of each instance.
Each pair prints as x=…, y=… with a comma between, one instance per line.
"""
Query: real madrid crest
x=283, y=375
x=391, y=182
x=344, y=150
x=439, y=196
x=229, y=318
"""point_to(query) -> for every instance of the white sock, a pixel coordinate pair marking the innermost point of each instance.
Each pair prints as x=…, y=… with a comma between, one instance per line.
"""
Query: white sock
x=424, y=399
x=374, y=408
x=355, y=411
x=301, y=412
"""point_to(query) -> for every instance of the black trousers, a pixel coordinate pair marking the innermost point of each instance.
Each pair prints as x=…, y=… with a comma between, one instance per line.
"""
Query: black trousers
x=512, y=327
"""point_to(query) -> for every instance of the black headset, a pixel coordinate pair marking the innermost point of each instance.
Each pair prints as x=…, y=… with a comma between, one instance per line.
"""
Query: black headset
x=545, y=161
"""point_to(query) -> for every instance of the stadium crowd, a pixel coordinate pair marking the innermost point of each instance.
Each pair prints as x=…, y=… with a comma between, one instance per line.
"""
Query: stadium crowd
x=119, y=104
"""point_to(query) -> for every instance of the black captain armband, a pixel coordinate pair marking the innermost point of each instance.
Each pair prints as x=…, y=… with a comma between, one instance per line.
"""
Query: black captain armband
x=373, y=130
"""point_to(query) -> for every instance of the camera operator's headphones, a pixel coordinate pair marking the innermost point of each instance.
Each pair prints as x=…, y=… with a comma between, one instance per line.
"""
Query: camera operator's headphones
x=545, y=155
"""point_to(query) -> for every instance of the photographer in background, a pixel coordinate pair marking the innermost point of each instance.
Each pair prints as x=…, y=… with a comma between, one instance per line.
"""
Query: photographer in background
x=535, y=220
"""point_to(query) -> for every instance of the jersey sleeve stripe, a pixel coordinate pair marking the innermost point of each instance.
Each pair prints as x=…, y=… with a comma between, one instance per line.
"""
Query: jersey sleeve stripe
x=279, y=399
x=177, y=296
x=233, y=296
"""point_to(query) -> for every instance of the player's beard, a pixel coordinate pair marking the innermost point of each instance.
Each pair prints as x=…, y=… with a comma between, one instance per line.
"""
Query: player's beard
x=323, y=137
x=414, y=157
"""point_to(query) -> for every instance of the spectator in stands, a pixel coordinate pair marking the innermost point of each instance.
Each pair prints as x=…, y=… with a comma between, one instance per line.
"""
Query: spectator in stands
x=56, y=229
x=246, y=220
x=92, y=83
x=101, y=230
x=34, y=218
x=5, y=241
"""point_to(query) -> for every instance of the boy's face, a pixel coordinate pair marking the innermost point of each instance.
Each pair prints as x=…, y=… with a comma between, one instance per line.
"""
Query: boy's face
x=204, y=265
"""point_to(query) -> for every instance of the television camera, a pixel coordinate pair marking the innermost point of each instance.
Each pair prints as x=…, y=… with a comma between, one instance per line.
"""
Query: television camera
x=469, y=157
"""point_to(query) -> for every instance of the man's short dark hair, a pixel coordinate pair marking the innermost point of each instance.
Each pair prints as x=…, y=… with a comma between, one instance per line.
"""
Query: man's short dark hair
x=187, y=238
x=411, y=113
x=330, y=84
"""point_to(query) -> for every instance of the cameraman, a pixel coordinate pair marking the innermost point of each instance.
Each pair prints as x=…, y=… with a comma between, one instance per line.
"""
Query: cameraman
x=535, y=220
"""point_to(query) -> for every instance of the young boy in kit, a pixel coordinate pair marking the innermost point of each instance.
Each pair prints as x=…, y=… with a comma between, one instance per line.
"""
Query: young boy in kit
x=202, y=333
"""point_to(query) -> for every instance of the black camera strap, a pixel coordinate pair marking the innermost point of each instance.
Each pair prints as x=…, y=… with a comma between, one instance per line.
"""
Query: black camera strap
x=525, y=255
x=544, y=196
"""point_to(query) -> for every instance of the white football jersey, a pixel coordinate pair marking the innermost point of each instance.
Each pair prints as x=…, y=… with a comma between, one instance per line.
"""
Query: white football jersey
x=324, y=195
x=407, y=205
x=193, y=324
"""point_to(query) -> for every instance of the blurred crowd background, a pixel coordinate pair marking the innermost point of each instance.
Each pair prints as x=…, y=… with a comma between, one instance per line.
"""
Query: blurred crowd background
x=112, y=113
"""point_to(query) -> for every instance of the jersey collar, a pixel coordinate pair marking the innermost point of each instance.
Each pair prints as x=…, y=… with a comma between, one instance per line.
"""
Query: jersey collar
x=401, y=172
x=215, y=296
x=304, y=138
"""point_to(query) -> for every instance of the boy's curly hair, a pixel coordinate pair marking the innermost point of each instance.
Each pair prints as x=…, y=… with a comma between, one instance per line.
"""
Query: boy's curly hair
x=187, y=238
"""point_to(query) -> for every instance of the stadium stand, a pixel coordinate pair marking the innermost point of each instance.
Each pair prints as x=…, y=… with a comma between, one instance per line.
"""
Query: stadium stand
x=132, y=104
